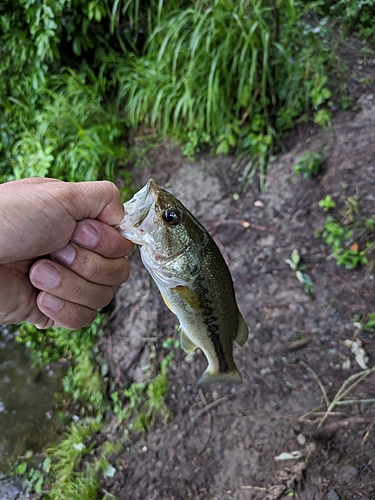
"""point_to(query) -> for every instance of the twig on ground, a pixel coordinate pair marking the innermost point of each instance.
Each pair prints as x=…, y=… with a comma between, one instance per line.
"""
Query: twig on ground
x=367, y=433
x=257, y=488
x=244, y=223
x=355, y=402
x=344, y=283
x=293, y=345
x=283, y=304
x=201, y=449
x=346, y=388
x=199, y=414
x=319, y=382
x=338, y=400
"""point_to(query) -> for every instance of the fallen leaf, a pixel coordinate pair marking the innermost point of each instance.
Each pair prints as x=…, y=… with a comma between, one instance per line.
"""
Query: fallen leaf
x=360, y=354
x=293, y=455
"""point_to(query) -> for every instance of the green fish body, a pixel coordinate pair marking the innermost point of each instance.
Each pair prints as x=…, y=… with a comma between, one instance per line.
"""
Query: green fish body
x=191, y=275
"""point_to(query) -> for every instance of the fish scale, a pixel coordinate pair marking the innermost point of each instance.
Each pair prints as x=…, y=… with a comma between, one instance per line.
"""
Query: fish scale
x=191, y=275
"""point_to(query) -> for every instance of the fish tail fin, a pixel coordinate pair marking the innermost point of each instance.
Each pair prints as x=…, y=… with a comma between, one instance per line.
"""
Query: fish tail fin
x=242, y=331
x=209, y=377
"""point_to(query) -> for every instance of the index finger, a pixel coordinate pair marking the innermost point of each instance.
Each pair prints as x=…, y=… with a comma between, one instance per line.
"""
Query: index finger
x=101, y=238
x=94, y=200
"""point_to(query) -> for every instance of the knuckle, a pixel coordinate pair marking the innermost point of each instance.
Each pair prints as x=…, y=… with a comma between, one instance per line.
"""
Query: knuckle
x=90, y=269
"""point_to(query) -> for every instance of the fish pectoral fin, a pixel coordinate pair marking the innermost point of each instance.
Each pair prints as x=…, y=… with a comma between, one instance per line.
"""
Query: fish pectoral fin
x=186, y=343
x=242, y=331
x=167, y=303
x=189, y=296
x=209, y=377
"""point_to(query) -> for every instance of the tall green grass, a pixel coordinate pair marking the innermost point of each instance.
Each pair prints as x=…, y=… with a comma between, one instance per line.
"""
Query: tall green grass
x=230, y=74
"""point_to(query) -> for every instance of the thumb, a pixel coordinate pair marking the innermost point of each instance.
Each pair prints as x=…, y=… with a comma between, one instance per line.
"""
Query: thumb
x=18, y=299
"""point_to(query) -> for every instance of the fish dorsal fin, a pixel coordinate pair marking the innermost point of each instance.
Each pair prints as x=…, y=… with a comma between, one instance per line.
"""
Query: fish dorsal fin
x=186, y=343
x=242, y=331
x=189, y=296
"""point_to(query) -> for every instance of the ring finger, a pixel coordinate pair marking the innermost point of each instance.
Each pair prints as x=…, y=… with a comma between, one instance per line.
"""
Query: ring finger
x=63, y=283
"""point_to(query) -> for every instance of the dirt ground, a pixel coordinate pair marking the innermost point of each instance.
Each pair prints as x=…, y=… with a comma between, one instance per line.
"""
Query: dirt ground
x=220, y=443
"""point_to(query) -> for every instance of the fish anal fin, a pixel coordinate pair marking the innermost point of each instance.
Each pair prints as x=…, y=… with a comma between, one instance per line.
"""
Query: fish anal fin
x=189, y=296
x=242, y=331
x=210, y=377
x=186, y=343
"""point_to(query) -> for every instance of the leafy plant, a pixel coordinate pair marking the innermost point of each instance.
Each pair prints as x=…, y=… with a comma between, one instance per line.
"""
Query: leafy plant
x=369, y=326
x=306, y=281
x=343, y=251
x=358, y=16
x=327, y=203
x=309, y=164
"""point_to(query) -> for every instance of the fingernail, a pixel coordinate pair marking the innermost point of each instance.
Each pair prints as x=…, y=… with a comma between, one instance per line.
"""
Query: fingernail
x=50, y=301
x=66, y=255
x=85, y=235
x=45, y=274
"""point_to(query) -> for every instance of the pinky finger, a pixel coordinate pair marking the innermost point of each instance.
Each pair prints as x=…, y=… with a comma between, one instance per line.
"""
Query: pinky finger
x=63, y=313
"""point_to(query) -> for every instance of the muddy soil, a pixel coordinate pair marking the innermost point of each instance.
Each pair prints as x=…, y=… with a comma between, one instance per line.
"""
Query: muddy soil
x=222, y=442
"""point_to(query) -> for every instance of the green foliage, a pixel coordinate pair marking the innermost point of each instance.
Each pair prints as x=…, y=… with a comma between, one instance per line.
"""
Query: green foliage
x=233, y=74
x=309, y=164
x=143, y=402
x=369, y=326
x=75, y=134
x=68, y=482
x=83, y=380
x=357, y=16
x=296, y=266
x=340, y=238
x=57, y=120
x=327, y=203
x=72, y=469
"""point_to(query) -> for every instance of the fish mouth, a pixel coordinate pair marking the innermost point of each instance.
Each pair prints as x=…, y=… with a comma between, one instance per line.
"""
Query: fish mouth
x=143, y=199
x=137, y=209
x=139, y=213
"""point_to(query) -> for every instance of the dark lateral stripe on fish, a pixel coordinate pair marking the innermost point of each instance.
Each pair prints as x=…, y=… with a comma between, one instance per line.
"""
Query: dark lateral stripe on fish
x=210, y=321
x=223, y=363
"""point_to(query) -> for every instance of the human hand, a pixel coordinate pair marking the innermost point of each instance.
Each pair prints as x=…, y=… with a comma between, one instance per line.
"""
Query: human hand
x=59, y=255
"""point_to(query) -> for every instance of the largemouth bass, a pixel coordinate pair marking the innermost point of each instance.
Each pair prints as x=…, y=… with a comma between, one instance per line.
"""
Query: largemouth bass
x=191, y=275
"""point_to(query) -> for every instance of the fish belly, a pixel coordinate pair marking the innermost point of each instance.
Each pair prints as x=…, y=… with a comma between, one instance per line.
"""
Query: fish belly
x=198, y=332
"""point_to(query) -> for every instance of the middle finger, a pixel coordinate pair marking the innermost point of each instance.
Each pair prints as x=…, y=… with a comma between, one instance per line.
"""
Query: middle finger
x=92, y=266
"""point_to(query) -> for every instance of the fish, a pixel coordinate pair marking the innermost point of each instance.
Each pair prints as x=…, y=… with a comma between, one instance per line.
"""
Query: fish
x=192, y=276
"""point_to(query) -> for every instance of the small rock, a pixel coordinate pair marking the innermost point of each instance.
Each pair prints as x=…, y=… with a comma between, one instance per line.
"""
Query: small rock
x=301, y=439
x=353, y=471
x=332, y=495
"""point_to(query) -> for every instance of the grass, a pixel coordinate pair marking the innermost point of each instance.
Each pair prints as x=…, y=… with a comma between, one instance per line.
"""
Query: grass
x=73, y=467
x=231, y=75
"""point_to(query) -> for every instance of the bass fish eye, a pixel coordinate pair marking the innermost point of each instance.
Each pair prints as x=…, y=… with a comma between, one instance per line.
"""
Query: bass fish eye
x=171, y=217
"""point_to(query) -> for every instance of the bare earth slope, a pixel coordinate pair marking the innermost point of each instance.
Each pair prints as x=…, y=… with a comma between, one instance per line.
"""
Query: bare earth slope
x=221, y=443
